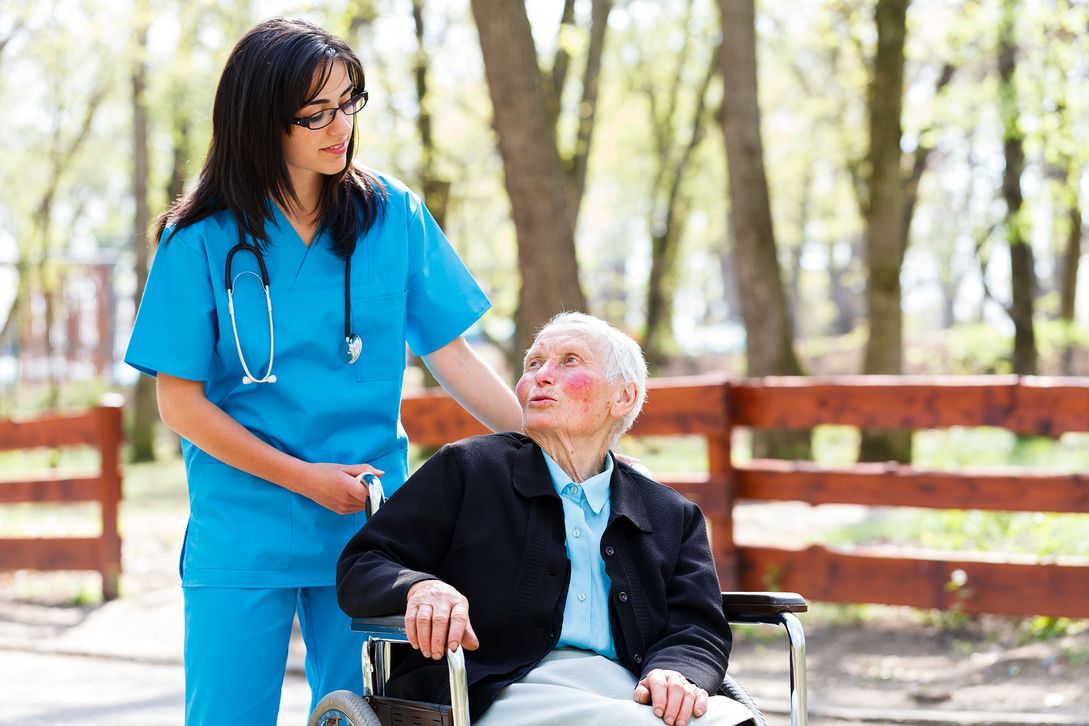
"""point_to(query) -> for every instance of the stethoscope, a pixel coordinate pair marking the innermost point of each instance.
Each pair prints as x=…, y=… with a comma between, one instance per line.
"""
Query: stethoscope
x=350, y=348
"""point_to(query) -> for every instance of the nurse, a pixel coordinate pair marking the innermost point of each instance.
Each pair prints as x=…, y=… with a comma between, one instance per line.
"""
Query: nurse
x=275, y=317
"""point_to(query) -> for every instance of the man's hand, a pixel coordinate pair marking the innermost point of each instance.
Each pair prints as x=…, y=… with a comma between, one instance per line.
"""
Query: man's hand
x=437, y=619
x=673, y=697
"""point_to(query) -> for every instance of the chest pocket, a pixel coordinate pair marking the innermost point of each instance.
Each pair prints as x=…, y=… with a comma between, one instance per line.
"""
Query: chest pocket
x=380, y=324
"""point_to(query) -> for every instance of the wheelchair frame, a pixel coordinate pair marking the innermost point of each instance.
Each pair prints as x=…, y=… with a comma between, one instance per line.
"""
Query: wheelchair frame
x=774, y=608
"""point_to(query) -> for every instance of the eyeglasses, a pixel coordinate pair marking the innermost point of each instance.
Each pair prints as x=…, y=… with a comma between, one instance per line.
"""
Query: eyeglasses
x=323, y=118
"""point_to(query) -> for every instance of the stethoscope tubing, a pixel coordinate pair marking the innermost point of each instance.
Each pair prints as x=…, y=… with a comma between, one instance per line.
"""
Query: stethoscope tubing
x=352, y=343
x=249, y=377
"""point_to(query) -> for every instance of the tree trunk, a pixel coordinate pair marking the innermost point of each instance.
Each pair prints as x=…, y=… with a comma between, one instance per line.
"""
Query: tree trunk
x=1022, y=273
x=1071, y=256
x=844, y=295
x=666, y=237
x=531, y=164
x=436, y=191
x=145, y=413
x=580, y=157
x=768, y=327
x=1070, y=281
x=885, y=240
x=554, y=82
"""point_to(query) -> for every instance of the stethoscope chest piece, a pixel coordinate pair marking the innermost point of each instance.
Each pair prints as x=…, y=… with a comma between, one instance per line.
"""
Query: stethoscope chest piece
x=351, y=348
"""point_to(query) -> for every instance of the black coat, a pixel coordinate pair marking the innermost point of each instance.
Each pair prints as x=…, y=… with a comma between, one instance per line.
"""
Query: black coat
x=483, y=516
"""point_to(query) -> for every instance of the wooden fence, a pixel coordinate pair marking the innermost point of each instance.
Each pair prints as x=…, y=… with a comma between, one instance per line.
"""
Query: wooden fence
x=963, y=581
x=101, y=429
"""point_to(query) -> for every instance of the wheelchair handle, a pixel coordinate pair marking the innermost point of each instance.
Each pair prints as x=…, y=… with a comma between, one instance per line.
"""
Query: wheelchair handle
x=376, y=495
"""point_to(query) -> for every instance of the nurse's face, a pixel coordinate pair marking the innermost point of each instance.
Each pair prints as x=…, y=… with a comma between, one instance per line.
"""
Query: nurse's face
x=311, y=153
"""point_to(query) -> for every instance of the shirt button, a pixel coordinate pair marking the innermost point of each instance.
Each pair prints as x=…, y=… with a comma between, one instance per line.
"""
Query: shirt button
x=638, y=659
x=623, y=597
x=582, y=597
x=577, y=533
x=610, y=551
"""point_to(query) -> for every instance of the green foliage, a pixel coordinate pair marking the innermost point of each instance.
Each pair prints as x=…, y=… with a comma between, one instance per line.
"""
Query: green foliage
x=1043, y=627
x=978, y=349
x=668, y=453
x=1029, y=533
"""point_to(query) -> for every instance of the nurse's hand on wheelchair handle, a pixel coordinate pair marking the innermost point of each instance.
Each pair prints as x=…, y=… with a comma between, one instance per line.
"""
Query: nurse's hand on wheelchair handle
x=336, y=486
x=674, y=698
x=437, y=619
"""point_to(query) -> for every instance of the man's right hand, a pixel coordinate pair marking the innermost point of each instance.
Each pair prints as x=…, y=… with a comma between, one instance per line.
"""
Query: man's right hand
x=437, y=619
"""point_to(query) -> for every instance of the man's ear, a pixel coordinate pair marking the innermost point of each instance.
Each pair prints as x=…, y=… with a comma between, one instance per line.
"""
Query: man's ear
x=623, y=400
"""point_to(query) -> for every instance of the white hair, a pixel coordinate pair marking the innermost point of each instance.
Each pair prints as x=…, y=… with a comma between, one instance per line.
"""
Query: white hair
x=623, y=360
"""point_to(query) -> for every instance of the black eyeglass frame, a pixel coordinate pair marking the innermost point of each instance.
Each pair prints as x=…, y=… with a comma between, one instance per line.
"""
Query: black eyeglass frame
x=307, y=122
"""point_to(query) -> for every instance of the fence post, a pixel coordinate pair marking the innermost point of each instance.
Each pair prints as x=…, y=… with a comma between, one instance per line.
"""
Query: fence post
x=108, y=415
x=720, y=467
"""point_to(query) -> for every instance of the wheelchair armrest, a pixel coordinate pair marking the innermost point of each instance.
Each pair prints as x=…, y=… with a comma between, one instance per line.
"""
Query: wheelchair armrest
x=761, y=607
x=386, y=627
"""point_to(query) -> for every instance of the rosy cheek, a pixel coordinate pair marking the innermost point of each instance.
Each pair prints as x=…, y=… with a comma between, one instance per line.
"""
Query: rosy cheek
x=578, y=387
x=521, y=390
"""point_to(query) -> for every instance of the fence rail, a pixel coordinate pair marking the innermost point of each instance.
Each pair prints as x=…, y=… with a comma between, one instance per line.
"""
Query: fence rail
x=101, y=429
x=965, y=581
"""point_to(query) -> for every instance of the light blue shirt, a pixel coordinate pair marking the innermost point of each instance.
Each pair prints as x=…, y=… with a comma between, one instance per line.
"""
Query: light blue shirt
x=585, y=515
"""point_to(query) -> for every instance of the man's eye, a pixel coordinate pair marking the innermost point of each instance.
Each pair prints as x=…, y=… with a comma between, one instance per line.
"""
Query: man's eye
x=572, y=359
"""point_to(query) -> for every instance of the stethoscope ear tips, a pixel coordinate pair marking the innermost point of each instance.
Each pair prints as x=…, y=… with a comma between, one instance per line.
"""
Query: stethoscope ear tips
x=270, y=379
x=246, y=380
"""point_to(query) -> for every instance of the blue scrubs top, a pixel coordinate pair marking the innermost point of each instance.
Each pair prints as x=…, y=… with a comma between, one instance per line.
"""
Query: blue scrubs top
x=408, y=285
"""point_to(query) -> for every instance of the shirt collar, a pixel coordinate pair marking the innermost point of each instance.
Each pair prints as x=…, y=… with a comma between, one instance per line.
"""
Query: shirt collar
x=596, y=488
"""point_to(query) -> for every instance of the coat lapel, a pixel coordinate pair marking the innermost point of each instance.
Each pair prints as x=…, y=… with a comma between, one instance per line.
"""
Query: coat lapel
x=531, y=477
x=626, y=500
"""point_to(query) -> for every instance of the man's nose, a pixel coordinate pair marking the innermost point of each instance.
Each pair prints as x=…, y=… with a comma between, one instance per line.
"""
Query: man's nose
x=546, y=373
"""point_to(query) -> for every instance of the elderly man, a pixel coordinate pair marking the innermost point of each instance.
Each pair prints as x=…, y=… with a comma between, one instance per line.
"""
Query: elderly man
x=584, y=592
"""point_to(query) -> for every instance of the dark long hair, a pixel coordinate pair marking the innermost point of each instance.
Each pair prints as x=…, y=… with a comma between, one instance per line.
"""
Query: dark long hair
x=268, y=77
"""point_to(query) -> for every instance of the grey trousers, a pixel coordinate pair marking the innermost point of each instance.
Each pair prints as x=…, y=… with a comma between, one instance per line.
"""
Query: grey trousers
x=579, y=687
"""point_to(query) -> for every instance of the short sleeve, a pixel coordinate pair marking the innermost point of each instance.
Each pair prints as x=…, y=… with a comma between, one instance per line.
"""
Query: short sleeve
x=175, y=329
x=443, y=298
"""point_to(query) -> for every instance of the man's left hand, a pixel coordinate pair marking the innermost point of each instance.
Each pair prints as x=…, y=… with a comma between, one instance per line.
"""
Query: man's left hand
x=674, y=698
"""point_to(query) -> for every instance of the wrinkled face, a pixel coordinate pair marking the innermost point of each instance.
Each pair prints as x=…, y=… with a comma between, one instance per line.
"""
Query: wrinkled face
x=310, y=153
x=563, y=388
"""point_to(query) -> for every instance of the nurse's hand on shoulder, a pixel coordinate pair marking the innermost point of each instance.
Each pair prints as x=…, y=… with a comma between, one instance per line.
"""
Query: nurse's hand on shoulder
x=335, y=487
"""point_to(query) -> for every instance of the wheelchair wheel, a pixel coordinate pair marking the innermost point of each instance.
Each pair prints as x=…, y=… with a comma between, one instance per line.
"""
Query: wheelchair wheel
x=736, y=691
x=343, y=708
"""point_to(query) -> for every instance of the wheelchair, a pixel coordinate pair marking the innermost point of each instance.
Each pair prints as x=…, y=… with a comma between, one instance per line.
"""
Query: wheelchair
x=373, y=708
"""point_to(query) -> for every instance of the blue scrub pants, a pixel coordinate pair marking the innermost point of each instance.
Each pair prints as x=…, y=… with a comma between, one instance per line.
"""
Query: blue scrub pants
x=236, y=643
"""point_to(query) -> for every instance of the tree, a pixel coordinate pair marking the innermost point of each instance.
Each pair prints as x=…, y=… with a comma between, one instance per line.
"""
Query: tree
x=1065, y=160
x=145, y=407
x=885, y=235
x=535, y=180
x=436, y=191
x=768, y=325
x=674, y=145
x=1022, y=272
x=46, y=198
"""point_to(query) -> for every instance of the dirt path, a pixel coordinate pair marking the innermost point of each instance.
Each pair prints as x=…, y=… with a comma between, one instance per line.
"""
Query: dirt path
x=866, y=665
